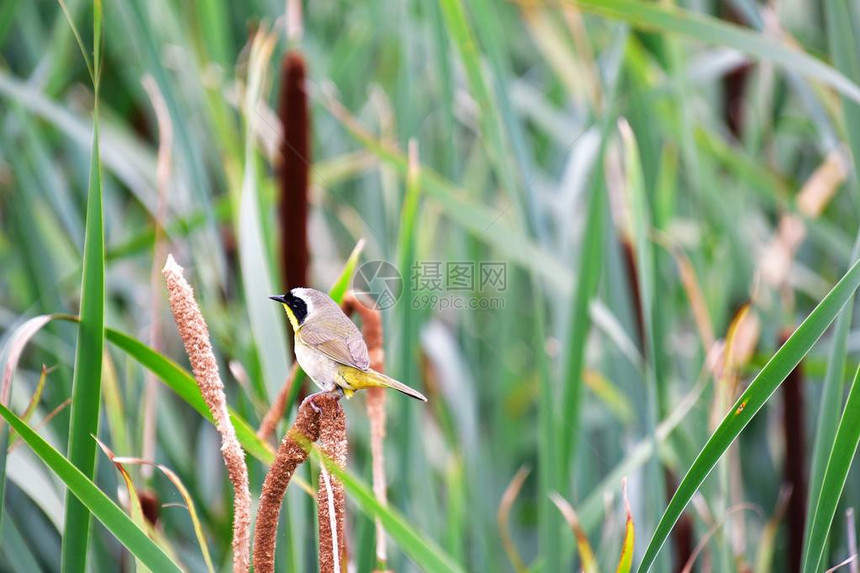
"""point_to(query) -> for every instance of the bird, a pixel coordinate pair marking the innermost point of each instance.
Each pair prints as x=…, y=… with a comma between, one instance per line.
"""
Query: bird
x=330, y=348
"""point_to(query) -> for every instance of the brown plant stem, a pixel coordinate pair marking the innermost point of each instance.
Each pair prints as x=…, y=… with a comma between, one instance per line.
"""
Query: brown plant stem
x=331, y=498
x=371, y=330
x=682, y=537
x=291, y=453
x=195, y=337
x=795, y=460
x=734, y=83
x=276, y=410
x=628, y=253
x=683, y=533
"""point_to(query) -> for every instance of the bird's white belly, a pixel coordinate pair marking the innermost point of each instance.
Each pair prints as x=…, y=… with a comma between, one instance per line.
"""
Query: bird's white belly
x=321, y=369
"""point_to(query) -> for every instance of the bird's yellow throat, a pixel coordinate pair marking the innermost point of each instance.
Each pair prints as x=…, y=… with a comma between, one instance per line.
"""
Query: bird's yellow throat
x=292, y=317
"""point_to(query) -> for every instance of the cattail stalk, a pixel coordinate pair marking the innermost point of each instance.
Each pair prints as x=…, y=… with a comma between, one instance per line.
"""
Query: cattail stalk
x=371, y=329
x=293, y=172
x=195, y=337
x=331, y=498
x=292, y=452
x=795, y=460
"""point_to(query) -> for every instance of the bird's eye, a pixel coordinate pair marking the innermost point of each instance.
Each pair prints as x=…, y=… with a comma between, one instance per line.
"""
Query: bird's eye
x=298, y=306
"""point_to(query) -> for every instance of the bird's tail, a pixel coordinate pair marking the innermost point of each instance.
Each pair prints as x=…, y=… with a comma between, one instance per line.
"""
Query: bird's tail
x=360, y=379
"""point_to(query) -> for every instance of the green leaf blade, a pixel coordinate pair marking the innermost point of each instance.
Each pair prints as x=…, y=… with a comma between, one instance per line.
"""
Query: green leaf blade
x=835, y=476
x=183, y=384
x=86, y=382
x=588, y=280
x=844, y=46
x=91, y=497
x=750, y=402
x=423, y=552
x=713, y=31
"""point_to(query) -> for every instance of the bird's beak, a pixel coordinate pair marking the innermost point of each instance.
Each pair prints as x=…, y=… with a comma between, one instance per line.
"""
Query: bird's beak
x=279, y=298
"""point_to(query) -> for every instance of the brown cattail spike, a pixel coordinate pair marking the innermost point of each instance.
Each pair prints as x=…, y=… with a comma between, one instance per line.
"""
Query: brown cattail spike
x=331, y=506
x=195, y=336
x=294, y=172
x=291, y=453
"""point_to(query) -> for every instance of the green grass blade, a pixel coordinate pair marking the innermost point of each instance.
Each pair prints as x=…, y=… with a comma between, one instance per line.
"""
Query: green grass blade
x=268, y=327
x=4, y=446
x=123, y=155
x=488, y=19
x=413, y=469
x=86, y=381
x=7, y=17
x=588, y=280
x=449, y=162
x=828, y=413
x=835, y=476
x=750, y=402
x=84, y=53
x=591, y=511
x=80, y=486
x=424, y=553
x=549, y=466
x=844, y=49
x=341, y=284
x=174, y=376
x=640, y=224
x=454, y=13
x=15, y=549
x=181, y=382
x=713, y=31
x=477, y=219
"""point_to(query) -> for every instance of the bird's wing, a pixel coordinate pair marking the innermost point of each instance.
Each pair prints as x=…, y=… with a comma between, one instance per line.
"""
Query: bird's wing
x=344, y=345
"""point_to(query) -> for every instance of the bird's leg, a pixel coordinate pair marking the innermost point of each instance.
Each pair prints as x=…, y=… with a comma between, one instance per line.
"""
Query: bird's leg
x=337, y=392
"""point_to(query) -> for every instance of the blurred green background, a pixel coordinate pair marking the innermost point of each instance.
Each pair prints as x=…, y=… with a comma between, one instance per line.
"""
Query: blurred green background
x=640, y=172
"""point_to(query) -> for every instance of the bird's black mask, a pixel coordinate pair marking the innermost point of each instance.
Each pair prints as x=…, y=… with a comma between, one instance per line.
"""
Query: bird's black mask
x=297, y=305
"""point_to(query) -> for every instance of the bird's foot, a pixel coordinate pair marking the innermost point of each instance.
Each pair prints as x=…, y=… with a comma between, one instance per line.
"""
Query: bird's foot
x=309, y=400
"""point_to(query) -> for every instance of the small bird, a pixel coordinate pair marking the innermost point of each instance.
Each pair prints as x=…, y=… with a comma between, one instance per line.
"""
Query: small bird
x=329, y=347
